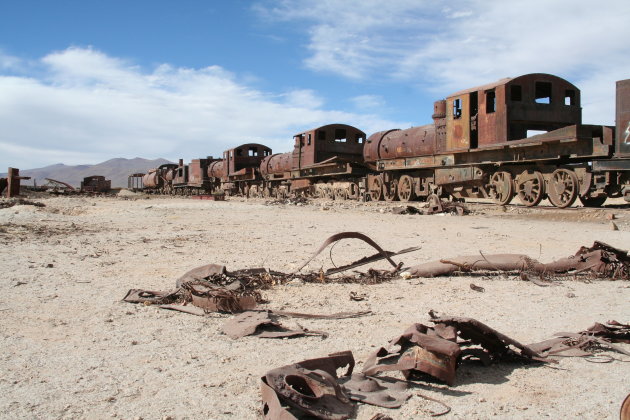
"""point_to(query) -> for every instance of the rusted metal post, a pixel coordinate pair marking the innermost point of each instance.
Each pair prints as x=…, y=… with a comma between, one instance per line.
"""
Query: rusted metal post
x=13, y=182
x=13, y=189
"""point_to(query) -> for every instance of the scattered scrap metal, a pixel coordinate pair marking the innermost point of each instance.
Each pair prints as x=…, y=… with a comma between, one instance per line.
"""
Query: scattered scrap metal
x=297, y=200
x=428, y=353
x=58, y=187
x=600, y=260
x=20, y=201
x=435, y=206
x=312, y=388
x=212, y=288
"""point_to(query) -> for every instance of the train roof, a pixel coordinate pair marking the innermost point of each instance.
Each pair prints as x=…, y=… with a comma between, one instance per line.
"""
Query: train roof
x=328, y=126
x=508, y=80
x=249, y=145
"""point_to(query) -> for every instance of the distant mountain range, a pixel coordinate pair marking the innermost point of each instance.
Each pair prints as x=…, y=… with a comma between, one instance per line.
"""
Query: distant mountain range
x=117, y=170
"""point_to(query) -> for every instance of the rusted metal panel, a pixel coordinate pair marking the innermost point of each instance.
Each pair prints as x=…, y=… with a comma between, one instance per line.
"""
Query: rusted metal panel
x=373, y=145
x=458, y=122
x=216, y=169
x=276, y=164
x=457, y=175
x=623, y=118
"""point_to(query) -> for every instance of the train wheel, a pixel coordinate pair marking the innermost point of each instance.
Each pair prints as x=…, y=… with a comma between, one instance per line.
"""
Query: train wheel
x=328, y=193
x=530, y=187
x=376, y=189
x=341, y=193
x=597, y=201
x=563, y=188
x=391, y=190
x=501, y=187
x=405, y=188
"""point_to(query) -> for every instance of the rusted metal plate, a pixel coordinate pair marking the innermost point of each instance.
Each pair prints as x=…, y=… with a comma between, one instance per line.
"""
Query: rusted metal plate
x=276, y=164
x=623, y=118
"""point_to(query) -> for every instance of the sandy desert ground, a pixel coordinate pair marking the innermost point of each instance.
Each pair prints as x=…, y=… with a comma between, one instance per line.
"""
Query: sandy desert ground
x=72, y=349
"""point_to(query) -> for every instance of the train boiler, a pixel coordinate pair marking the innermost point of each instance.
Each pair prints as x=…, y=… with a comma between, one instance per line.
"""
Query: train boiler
x=518, y=136
x=326, y=161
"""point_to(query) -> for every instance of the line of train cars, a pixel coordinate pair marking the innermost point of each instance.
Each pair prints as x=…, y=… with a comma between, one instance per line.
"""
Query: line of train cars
x=518, y=136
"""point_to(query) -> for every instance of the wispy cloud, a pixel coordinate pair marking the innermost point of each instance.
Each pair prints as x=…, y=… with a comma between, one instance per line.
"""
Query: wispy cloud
x=365, y=102
x=82, y=106
x=467, y=43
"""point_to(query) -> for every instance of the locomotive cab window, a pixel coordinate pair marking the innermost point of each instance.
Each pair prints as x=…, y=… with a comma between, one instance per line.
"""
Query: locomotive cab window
x=516, y=93
x=267, y=152
x=360, y=139
x=321, y=135
x=543, y=93
x=491, y=101
x=457, y=108
x=569, y=97
x=308, y=139
x=253, y=151
x=239, y=152
x=340, y=135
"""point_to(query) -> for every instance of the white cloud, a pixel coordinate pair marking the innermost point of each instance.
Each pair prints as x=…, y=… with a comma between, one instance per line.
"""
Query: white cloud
x=364, y=102
x=468, y=43
x=85, y=107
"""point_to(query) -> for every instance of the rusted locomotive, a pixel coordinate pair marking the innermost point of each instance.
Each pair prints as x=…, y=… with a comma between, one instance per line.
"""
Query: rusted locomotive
x=518, y=136
x=160, y=179
x=326, y=161
x=236, y=173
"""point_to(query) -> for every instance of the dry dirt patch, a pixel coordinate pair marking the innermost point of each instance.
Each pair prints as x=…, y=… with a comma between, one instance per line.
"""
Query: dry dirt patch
x=74, y=350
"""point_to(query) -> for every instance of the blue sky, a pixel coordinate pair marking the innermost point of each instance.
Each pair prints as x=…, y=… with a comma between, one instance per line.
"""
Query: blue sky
x=85, y=81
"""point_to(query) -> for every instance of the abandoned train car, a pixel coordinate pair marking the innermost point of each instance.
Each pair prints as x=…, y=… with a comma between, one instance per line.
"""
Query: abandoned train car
x=518, y=136
x=326, y=161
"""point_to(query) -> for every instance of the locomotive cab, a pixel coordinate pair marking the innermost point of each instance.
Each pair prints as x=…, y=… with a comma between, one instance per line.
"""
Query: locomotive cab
x=509, y=109
x=242, y=160
x=320, y=144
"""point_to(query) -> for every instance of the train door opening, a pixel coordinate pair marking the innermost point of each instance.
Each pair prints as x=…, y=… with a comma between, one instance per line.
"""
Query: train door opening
x=474, y=110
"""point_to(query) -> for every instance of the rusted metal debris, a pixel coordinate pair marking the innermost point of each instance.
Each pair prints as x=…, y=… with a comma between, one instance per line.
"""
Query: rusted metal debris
x=211, y=197
x=297, y=200
x=20, y=201
x=312, y=387
x=263, y=324
x=382, y=254
x=583, y=343
x=600, y=260
x=624, y=412
x=58, y=186
x=436, y=351
x=435, y=206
